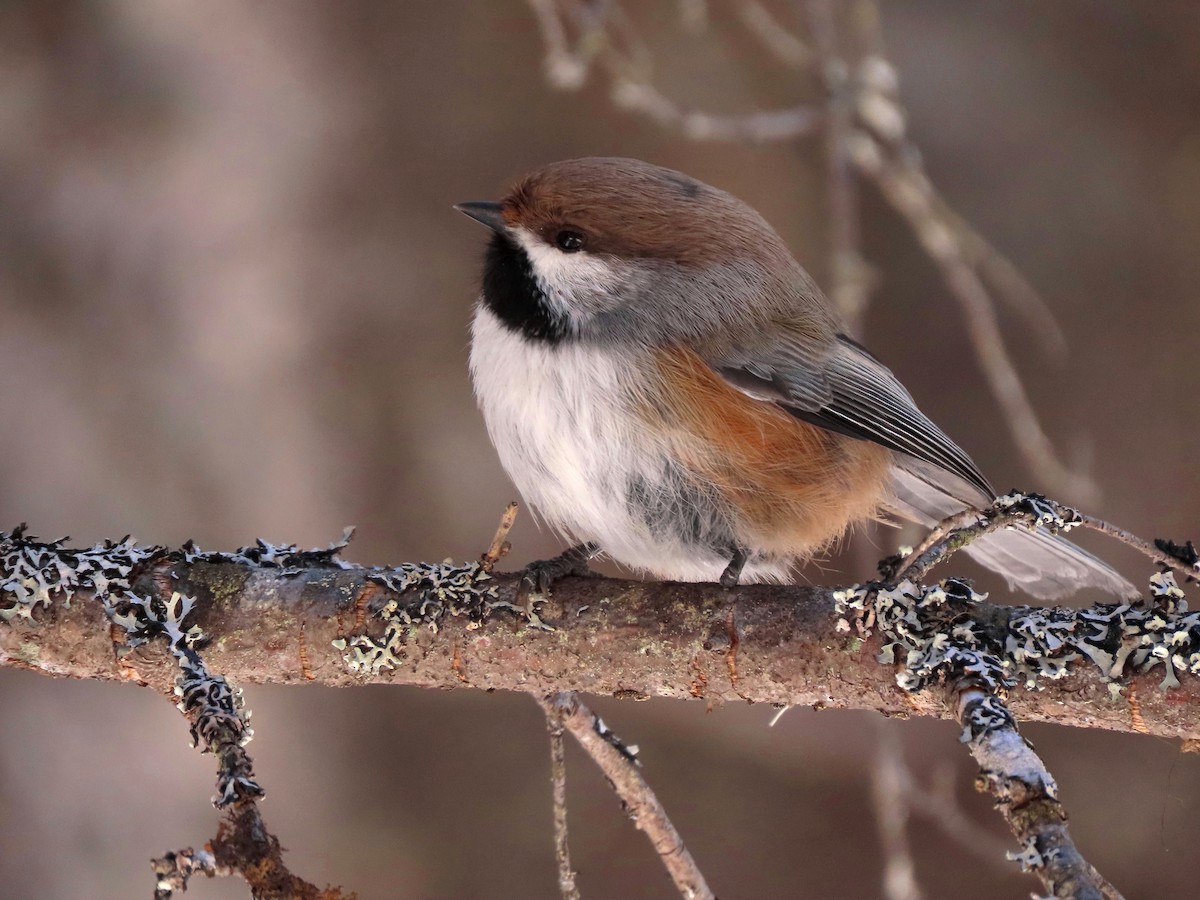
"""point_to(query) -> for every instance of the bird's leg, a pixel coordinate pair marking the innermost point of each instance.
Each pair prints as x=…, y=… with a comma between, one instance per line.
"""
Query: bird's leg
x=733, y=571
x=538, y=576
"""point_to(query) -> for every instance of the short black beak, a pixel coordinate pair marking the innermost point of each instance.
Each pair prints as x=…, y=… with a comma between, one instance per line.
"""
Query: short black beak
x=484, y=211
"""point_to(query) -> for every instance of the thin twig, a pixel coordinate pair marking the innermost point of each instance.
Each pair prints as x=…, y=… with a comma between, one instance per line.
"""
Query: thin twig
x=641, y=805
x=911, y=195
x=936, y=534
x=957, y=531
x=884, y=155
x=607, y=37
x=954, y=537
x=849, y=278
x=564, y=69
x=1010, y=285
x=788, y=49
x=500, y=546
x=1142, y=546
x=558, y=781
x=891, y=802
x=937, y=803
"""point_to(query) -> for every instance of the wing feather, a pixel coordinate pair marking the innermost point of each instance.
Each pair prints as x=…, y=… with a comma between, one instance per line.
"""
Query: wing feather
x=844, y=388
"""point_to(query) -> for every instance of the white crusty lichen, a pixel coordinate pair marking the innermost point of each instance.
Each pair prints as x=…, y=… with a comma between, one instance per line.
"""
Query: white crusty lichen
x=629, y=751
x=220, y=724
x=219, y=720
x=930, y=631
x=924, y=628
x=145, y=618
x=1044, y=513
x=422, y=595
x=1028, y=857
x=34, y=574
x=290, y=560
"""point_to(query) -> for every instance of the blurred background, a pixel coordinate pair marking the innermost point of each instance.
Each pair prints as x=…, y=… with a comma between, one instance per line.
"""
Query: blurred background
x=234, y=303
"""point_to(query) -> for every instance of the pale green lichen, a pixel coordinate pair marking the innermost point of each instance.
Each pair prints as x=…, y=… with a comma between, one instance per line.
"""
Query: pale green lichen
x=929, y=630
x=421, y=596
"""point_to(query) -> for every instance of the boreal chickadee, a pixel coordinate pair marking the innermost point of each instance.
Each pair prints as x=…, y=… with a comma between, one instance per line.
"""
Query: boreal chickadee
x=664, y=381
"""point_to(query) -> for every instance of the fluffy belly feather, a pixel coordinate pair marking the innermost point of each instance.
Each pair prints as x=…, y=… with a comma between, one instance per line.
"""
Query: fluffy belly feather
x=603, y=452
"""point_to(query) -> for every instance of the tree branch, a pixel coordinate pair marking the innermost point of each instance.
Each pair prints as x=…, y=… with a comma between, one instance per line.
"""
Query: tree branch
x=618, y=762
x=558, y=782
x=1027, y=797
x=273, y=618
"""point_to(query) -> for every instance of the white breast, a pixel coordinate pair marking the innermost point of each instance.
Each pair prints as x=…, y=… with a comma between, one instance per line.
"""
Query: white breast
x=561, y=418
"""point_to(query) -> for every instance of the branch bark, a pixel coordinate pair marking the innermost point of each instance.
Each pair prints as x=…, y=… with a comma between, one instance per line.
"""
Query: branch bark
x=1027, y=797
x=757, y=643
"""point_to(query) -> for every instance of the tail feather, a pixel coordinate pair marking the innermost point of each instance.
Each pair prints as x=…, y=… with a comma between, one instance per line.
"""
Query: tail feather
x=1042, y=564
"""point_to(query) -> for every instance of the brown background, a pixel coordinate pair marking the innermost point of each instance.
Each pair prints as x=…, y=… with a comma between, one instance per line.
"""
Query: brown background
x=233, y=303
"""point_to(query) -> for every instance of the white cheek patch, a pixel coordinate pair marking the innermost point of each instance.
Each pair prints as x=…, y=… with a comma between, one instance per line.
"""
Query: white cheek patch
x=577, y=283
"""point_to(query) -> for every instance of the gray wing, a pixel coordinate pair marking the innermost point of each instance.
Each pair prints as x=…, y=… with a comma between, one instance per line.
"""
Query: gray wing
x=843, y=388
x=1043, y=564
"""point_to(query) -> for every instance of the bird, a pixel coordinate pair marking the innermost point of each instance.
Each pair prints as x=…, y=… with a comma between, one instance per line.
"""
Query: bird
x=664, y=383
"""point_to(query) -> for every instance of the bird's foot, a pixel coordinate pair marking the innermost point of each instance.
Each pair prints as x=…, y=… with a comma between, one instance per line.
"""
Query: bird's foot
x=733, y=571
x=538, y=577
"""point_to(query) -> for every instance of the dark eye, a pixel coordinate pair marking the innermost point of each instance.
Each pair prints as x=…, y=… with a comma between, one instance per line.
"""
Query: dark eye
x=569, y=241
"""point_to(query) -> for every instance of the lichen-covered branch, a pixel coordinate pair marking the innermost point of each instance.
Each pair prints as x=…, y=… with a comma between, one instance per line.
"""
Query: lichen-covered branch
x=944, y=652
x=270, y=616
x=132, y=590
x=1027, y=797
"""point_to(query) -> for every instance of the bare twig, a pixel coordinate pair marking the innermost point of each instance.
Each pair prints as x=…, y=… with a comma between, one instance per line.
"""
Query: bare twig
x=1142, y=546
x=958, y=531
x=850, y=280
x=617, y=762
x=500, y=546
x=786, y=47
x=936, y=535
x=963, y=528
x=883, y=154
x=1027, y=797
x=607, y=37
x=891, y=802
x=911, y=195
x=564, y=68
x=1009, y=284
x=558, y=781
x=936, y=802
